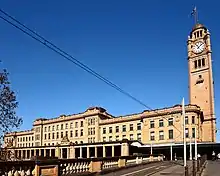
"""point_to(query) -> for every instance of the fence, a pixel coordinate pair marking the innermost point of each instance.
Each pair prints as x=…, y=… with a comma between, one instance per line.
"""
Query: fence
x=64, y=167
x=195, y=167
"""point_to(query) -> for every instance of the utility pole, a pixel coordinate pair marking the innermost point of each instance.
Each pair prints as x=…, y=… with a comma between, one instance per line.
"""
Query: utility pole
x=190, y=149
x=195, y=143
x=184, y=133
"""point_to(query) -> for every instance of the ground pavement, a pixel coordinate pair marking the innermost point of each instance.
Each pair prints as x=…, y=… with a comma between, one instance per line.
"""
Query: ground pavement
x=212, y=168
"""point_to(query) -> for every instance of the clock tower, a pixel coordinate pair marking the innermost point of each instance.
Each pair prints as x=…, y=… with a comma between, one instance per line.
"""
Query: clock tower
x=201, y=84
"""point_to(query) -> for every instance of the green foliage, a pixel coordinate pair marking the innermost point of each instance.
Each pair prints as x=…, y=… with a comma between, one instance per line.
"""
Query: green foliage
x=8, y=105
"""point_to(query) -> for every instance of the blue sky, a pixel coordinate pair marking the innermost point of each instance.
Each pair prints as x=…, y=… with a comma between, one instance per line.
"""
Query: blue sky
x=139, y=45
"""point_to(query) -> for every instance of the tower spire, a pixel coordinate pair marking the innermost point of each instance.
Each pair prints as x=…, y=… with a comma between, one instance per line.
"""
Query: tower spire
x=194, y=13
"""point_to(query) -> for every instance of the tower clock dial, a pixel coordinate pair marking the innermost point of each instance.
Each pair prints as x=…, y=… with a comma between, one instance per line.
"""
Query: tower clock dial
x=198, y=47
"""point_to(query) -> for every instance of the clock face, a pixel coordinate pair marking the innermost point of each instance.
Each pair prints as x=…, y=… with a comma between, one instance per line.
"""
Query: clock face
x=198, y=47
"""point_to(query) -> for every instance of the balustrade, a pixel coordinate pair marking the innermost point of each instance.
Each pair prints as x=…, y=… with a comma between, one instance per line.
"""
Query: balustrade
x=68, y=166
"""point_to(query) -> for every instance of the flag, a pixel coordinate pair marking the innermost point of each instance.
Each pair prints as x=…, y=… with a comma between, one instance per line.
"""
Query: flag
x=193, y=11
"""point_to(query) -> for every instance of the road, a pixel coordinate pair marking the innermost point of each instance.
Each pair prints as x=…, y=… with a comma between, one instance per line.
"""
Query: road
x=142, y=170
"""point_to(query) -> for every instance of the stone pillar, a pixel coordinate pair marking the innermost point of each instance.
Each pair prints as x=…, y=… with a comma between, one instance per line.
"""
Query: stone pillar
x=72, y=152
x=104, y=152
x=124, y=148
x=50, y=152
x=88, y=154
x=80, y=152
x=35, y=152
x=57, y=152
x=113, y=151
x=96, y=152
x=45, y=152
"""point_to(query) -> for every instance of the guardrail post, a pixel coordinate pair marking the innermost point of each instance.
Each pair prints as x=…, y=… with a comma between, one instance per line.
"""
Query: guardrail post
x=194, y=169
x=186, y=171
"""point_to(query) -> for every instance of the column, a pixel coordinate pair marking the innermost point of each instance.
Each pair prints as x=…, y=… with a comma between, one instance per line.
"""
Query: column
x=88, y=154
x=45, y=152
x=50, y=152
x=96, y=152
x=57, y=152
x=80, y=153
x=35, y=152
x=72, y=152
x=113, y=151
x=125, y=149
x=104, y=152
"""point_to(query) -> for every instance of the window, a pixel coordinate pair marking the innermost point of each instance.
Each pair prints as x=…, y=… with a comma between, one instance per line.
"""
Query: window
x=170, y=134
x=76, y=125
x=45, y=136
x=104, y=130
x=71, y=125
x=71, y=133
x=48, y=135
x=45, y=129
x=193, y=119
x=151, y=124
x=53, y=136
x=193, y=132
x=117, y=129
x=57, y=127
x=66, y=125
x=53, y=128
x=81, y=123
x=32, y=138
x=170, y=121
x=117, y=138
x=76, y=133
x=66, y=133
x=49, y=128
x=61, y=135
x=131, y=127
x=186, y=120
x=160, y=123
x=131, y=137
x=203, y=62
x=57, y=135
x=161, y=135
x=139, y=126
x=199, y=63
x=152, y=137
x=61, y=126
x=195, y=64
x=37, y=137
x=110, y=138
x=187, y=132
x=124, y=128
x=110, y=129
x=81, y=132
x=104, y=139
x=139, y=136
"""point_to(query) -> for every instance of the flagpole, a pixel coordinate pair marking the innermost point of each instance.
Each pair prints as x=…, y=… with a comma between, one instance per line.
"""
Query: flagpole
x=184, y=133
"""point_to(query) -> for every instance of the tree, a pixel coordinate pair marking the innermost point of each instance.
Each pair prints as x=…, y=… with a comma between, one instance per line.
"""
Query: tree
x=8, y=105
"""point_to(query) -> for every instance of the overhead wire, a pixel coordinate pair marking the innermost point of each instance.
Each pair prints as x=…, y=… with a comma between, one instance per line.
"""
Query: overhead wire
x=70, y=58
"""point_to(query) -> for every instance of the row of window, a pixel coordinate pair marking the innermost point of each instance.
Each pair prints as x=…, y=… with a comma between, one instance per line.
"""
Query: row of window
x=197, y=34
x=20, y=139
x=161, y=135
x=78, y=133
x=124, y=128
x=117, y=138
x=170, y=122
x=199, y=63
x=91, y=131
x=61, y=127
x=26, y=145
x=170, y=134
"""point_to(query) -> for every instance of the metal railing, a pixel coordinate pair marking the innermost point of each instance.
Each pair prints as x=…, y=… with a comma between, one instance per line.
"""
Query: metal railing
x=194, y=168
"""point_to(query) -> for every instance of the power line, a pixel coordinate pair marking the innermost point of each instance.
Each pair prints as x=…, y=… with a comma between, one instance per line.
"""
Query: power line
x=69, y=57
